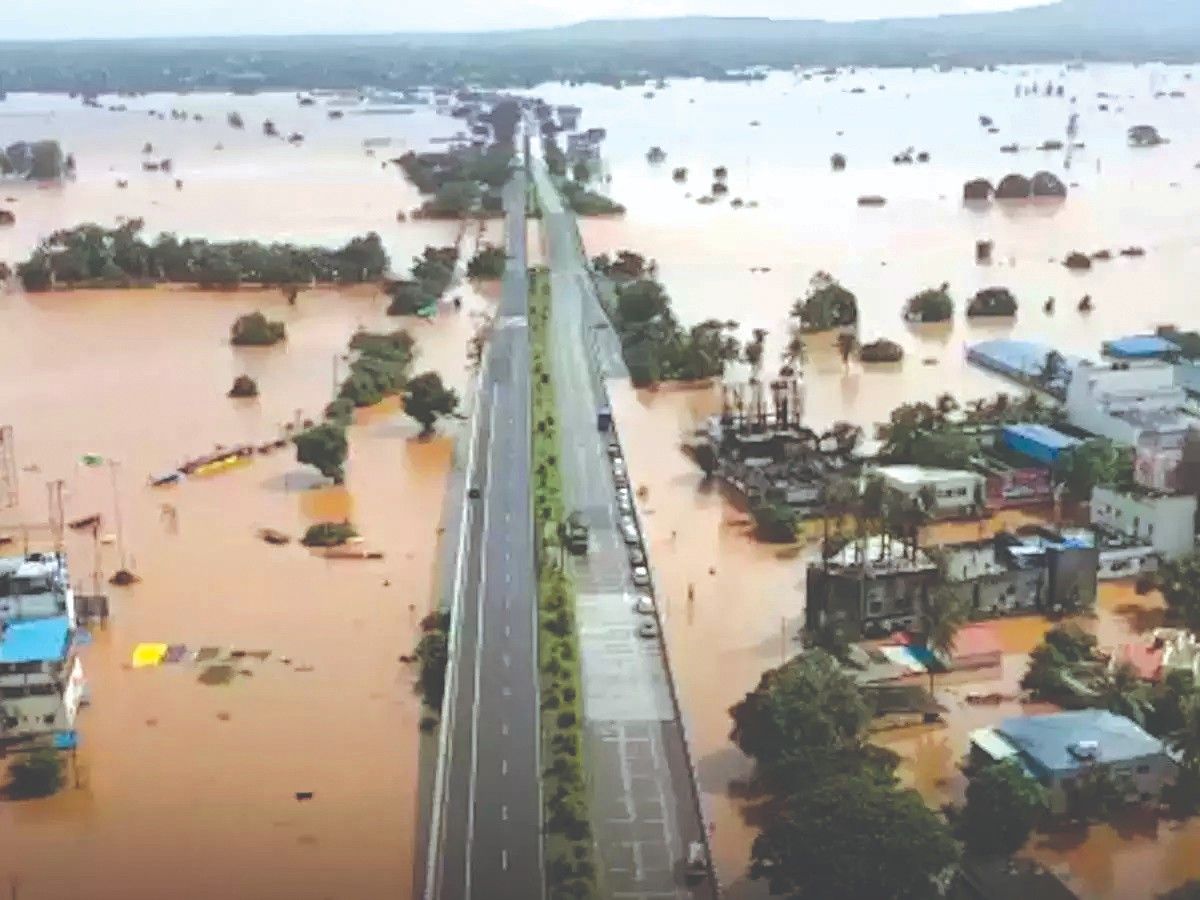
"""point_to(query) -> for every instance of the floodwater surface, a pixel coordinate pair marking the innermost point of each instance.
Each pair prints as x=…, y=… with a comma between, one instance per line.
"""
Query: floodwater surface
x=747, y=598
x=188, y=773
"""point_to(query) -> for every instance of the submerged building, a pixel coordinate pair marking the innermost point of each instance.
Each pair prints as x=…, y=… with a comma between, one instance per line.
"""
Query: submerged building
x=1060, y=749
x=879, y=586
x=42, y=684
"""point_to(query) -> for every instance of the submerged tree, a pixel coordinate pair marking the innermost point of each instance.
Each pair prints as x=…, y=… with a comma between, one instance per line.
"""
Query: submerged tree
x=827, y=305
x=1003, y=806
x=323, y=447
x=426, y=399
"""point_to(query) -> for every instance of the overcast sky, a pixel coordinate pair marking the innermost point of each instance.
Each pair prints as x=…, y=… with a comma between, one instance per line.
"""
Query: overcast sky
x=38, y=19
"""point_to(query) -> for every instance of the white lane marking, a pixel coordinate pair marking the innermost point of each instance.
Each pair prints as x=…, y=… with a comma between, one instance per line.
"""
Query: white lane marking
x=487, y=507
x=504, y=767
x=507, y=660
x=504, y=729
x=504, y=813
x=504, y=860
x=507, y=631
x=507, y=692
x=446, y=731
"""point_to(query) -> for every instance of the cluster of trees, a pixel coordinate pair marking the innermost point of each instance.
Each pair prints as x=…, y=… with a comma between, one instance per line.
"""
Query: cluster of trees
x=431, y=275
x=995, y=301
x=256, y=330
x=656, y=347
x=91, y=255
x=488, y=262
x=37, y=774
x=835, y=823
x=1094, y=462
x=589, y=203
x=827, y=305
x=36, y=160
x=930, y=305
x=927, y=434
x=461, y=182
x=378, y=369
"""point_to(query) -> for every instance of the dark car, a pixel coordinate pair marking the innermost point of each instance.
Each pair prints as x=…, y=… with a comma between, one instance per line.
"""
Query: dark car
x=473, y=493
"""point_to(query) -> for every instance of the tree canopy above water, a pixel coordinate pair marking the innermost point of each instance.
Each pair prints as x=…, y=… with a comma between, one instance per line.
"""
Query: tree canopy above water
x=92, y=255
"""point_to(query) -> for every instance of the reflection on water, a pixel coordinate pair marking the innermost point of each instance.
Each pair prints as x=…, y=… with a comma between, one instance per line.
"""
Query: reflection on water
x=748, y=598
x=188, y=788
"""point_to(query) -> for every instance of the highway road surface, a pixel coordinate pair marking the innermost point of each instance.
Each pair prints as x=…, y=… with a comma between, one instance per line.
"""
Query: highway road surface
x=487, y=843
x=643, y=804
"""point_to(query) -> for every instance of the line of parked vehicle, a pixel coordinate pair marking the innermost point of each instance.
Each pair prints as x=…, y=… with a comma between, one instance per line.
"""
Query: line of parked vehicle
x=644, y=604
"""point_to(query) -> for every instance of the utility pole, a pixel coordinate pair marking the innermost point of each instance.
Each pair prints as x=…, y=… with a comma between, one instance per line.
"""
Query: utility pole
x=9, y=484
x=54, y=492
x=112, y=470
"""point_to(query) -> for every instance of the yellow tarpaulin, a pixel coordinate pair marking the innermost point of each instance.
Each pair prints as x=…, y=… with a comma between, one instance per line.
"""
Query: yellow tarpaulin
x=145, y=655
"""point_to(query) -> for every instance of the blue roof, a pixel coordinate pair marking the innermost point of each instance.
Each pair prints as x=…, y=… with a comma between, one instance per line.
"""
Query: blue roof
x=38, y=640
x=1045, y=741
x=1140, y=346
x=1043, y=434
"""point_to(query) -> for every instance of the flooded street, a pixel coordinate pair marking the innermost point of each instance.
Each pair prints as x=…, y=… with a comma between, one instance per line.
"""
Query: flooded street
x=188, y=789
x=748, y=597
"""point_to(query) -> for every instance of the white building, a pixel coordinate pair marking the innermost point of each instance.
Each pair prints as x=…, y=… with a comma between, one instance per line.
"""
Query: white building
x=957, y=492
x=1128, y=402
x=35, y=586
x=1164, y=522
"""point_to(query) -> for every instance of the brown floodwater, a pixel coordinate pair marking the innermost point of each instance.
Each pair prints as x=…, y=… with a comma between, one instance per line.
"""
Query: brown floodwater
x=749, y=598
x=187, y=788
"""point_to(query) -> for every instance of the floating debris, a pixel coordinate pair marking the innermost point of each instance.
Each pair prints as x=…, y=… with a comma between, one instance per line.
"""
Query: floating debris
x=123, y=578
x=271, y=536
x=218, y=674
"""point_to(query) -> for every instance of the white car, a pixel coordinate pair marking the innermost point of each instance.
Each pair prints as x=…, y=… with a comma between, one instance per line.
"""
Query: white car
x=618, y=464
x=641, y=576
x=644, y=605
x=624, y=505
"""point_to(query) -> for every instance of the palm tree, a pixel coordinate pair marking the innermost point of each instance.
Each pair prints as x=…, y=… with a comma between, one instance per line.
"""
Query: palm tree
x=795, y=353
x=839, y=497
x=942, y=615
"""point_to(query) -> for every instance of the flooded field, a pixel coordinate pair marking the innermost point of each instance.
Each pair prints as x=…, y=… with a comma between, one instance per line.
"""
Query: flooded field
x=187, y=788
x=749, y=598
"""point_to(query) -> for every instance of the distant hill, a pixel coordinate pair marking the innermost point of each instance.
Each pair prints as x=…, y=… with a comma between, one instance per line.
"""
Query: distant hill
x=612, y=51
x=1064, y=22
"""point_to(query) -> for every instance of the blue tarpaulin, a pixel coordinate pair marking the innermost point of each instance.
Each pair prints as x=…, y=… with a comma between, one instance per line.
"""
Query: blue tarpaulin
x=1039, y=442
x=38, y=640
x=1140, y=346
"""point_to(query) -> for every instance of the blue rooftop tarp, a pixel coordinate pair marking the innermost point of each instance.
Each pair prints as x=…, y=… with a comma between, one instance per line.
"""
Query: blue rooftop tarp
x=1023, y=361
x=38, y=640
x=1039, y=442
x=1140, y=346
